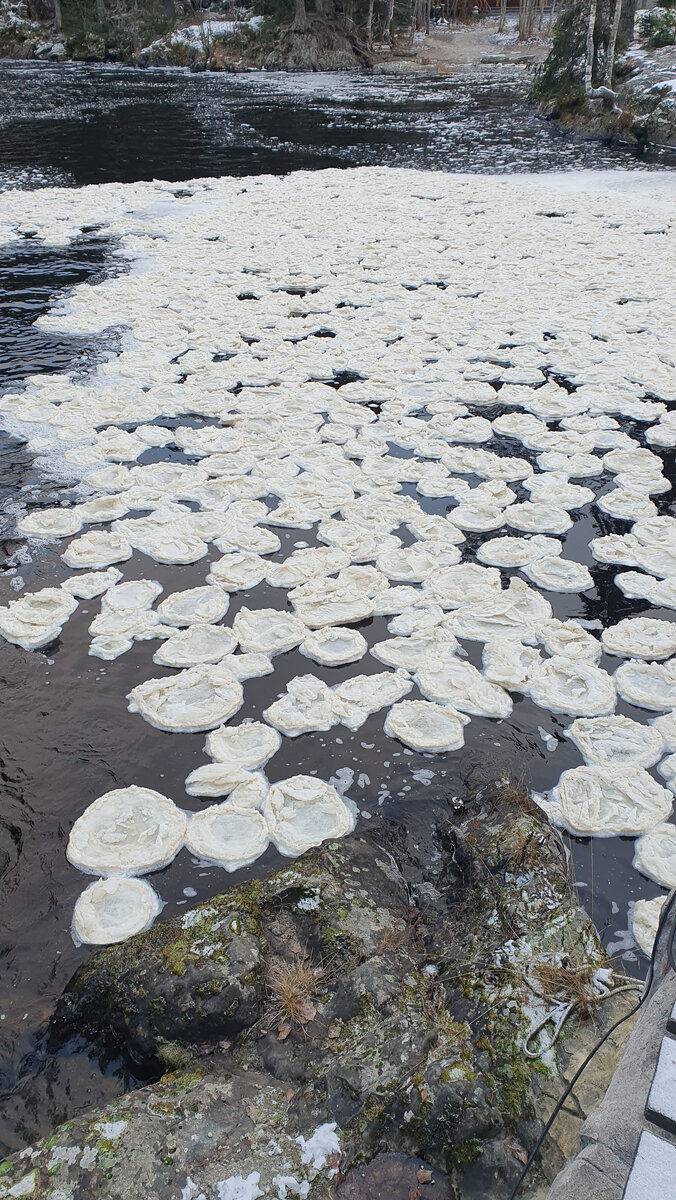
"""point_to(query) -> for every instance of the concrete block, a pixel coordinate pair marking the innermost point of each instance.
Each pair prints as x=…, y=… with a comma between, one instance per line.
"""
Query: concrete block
x=661, y=1105
x=653, y=1175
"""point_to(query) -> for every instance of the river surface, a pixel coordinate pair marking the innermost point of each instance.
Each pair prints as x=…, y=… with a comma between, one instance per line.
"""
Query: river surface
x=66, y=737
x=70, y=125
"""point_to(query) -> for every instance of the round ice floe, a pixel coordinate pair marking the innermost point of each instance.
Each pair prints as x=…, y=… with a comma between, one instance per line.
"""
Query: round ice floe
x=110, y=646
x=656, y=531
x=509, y=663
x=103, y=509
x=640, y=637
x=648, y=685
x=636, y=585
x=227, y=836
x=51, y=523
x=573, y=686
x=249, y=745
x=92, y=584
x=626, y=801
x=365, y=694
x=112, y=910
x=666, y=726
x=268, y=630
x=616, y=741
x=37, y=618
x=302, y=812
x=411, y=652
x=553, y=488
x=656, y=855
x=334, y=645
x=196, y=606
x=195, y=645
x=455, y=587
x=97, y=549
x=645, y=922
x=308, y=704
x=569, y=639
x=435, y=728
x=625, y=505
x=132, y=596
x=216, y=779
x=477, y=518
x=194, y=700
x=620, y=548
x=238, y=571
x=559, y=575
x=128, y=831
x=518, y=612
x=448, y=680
x=538, y=518
x=517, y=551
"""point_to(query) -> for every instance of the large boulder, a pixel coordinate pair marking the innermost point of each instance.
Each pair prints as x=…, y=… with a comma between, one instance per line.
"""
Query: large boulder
x=371, y=998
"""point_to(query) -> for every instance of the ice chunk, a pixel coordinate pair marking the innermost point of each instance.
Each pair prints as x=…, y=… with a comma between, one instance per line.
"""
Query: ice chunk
x=92, y=584
x=423, y=726
x=228, y=836
x=248, y=745
x=569, y=639
x=195, y=645
x=97, y=549
x=196, y=606
x=37, y=618
x=573, y=686
x=656, y=855
x=303, y=811
x=128, y=831
x=559, y=575
x=112, y=910
x=365, y=694
x=199, y=698
x=51, y=523
x=645, y=921
x=626, y=802
x=268, y=630
x=308, y=704
x=506, y=661
x=641, y=637
x=648, y=685
x=216, y=779
x=449, y=680
x=616, y=741
x=334, y=645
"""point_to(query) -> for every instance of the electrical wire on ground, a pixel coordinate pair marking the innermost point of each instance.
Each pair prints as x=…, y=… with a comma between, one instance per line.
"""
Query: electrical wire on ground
x=671, y=952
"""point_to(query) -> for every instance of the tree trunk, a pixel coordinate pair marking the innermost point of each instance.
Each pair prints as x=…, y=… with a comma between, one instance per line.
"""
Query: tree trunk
x=589, y=62
x=627, y=19
x=388, y=19
x=503, y=16
x=299, y=15
x=58, y=21
x=100, y=11
x=612, y=40
x=369, y=25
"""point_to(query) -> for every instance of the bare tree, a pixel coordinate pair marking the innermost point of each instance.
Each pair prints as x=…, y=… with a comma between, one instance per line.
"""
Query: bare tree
x=58, y=21
x=604, y=93
x=612, y=42
x=299, y=15
x=369, y=25
x=526, y=19
x=503, y=16
x=388, y=19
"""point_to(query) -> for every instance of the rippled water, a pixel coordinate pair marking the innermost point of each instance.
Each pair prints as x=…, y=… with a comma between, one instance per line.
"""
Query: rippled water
x=66, y=735
x=74, y=124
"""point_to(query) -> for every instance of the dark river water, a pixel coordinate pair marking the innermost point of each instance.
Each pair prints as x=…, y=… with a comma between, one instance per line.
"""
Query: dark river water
x=72, y=125
x=66, y=735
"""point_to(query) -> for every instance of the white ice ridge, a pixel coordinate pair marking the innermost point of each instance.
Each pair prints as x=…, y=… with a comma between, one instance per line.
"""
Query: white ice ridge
x=486, y=424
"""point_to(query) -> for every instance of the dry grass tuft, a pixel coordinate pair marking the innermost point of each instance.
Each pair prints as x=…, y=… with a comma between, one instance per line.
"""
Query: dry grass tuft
x=292, y=990
x=570, y=979
x=515, y=794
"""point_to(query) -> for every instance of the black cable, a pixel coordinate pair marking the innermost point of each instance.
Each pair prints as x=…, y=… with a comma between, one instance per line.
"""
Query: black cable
x=671, y=951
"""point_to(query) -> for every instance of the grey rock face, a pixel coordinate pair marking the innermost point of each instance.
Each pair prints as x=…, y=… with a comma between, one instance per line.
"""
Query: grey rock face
x=369, y=999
